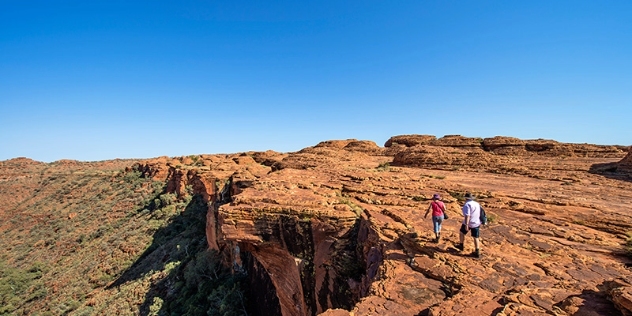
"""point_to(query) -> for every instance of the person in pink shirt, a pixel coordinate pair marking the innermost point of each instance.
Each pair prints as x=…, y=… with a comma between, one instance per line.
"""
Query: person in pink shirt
x=438, y=214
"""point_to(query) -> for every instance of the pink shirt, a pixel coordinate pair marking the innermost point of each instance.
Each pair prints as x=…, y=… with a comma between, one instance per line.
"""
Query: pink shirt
x=437, y=208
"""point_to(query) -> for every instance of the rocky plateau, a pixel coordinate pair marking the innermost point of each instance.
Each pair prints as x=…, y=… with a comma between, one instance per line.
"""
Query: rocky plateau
x=339, y=229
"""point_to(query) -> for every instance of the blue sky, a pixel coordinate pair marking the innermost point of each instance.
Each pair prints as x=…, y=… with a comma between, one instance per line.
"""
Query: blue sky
x=98, y=80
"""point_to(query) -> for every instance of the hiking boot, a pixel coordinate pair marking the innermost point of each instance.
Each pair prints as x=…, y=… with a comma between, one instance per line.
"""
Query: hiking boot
x=476, y=253
x=459, y=247
x=412, y=262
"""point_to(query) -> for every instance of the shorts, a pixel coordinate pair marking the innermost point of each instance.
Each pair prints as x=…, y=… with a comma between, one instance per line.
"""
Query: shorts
x=475, y=231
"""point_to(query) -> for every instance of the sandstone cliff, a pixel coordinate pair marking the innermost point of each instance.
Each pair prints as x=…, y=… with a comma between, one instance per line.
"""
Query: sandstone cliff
x=333, y=229
x=338, y=228
x=625, y=165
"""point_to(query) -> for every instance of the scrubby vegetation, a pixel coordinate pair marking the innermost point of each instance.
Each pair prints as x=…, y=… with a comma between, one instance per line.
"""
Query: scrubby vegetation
x=197, y=283
x=385, y=166
x=628, y=243
x=110, y=243
x=18, y=287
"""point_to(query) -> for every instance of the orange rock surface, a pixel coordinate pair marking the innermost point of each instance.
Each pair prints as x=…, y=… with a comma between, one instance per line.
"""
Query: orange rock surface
x=334, y=228
x=338, y=228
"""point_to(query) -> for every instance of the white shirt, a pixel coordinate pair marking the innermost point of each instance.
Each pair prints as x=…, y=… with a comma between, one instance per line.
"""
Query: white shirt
x=473, y=209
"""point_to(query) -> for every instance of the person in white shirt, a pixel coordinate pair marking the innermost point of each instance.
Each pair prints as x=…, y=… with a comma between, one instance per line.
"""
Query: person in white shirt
x=471, y=223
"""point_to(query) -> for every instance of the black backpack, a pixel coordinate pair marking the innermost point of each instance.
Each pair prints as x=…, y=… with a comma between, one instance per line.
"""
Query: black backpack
x=483, y=217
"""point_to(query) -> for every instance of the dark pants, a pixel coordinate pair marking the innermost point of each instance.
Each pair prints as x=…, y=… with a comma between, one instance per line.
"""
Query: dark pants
x=475, y=231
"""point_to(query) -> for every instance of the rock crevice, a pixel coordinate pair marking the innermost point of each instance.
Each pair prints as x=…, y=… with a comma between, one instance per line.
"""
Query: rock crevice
x=332, y=229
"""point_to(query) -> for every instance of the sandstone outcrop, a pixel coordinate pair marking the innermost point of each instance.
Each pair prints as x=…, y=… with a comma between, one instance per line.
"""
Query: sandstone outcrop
x=331, y=232
x=509, y=146
x=410, y=140
x=622, y=298
x=625, y=165
x=505, y=146
x=339, y=229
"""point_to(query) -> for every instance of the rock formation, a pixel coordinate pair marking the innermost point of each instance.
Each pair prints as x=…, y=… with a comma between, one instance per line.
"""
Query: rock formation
x=331, y=232
x=625, y=165
x=508, y=146
x=338, y=228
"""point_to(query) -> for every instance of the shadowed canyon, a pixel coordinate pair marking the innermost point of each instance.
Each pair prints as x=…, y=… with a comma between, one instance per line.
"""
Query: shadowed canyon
x=333, y=229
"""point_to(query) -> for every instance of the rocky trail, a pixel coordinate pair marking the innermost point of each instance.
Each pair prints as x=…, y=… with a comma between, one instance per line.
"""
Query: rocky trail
x=338, y=228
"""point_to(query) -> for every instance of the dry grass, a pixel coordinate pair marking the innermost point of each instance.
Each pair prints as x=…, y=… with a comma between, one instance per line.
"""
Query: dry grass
x=101, y=242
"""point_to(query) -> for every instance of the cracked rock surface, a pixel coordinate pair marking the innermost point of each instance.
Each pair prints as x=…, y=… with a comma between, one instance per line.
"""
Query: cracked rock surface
x=344, y=219
x=339, y=228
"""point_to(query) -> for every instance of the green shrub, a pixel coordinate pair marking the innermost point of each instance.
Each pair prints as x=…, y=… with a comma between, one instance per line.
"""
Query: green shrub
x=492, y=218
x=19, y=285
x=167, y=199
x=156, y=306
x=197, y=282
x=385, y=166
x=628, y=243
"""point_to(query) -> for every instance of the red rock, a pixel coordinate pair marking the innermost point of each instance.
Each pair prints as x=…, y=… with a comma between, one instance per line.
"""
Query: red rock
x=622, y=298
x=331, y=229
x=625, y=165
x=410, y=140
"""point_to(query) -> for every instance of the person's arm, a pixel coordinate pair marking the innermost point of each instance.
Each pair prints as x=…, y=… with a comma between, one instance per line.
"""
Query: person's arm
x=428, y=210
x=466, y=214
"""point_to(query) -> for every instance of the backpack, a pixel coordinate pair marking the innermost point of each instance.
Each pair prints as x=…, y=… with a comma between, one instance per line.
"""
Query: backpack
x=483, y=217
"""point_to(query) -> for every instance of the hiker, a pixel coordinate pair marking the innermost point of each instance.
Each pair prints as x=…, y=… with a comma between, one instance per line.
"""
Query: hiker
x=438, y=214
x=471, y=223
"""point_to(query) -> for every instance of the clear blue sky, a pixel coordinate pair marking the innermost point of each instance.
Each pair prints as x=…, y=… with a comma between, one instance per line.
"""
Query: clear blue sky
x=97, y=80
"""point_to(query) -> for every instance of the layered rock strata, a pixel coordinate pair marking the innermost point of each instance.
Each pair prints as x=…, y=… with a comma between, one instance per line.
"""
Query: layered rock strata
x=510, y=146
x=625, y=165
x=338, y=228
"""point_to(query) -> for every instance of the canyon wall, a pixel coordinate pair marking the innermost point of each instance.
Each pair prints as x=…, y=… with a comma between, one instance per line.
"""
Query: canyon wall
x=338, y=228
